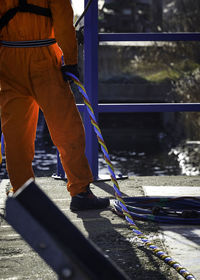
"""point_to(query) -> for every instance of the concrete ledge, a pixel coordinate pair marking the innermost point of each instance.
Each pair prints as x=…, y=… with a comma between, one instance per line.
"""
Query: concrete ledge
x=109, y=232
x=171, y=191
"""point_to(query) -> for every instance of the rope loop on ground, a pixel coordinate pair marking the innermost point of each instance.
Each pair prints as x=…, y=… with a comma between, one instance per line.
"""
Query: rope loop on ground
x=173, y=210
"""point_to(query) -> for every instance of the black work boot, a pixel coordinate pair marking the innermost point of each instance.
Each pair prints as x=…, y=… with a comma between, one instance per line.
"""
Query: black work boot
x=87, y=200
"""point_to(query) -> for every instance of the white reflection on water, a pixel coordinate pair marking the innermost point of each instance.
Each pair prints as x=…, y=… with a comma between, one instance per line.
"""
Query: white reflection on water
x=140, y=164
x=188, y=157
x=182, y=160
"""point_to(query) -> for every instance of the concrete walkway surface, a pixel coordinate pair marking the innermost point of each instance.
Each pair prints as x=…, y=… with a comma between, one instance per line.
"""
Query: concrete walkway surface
x=110, y=232
x=181, y=241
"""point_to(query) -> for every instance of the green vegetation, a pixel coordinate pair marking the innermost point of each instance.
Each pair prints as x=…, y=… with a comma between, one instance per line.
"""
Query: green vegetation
x=160, y=75
x=160, y=72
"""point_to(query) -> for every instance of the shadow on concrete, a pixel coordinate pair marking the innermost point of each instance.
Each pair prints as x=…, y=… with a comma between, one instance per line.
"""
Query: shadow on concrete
x=111, y=234
x=184, y=235
x=106, y=187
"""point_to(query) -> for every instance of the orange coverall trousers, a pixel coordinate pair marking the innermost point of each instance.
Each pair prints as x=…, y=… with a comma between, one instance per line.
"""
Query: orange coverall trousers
x=30, y=78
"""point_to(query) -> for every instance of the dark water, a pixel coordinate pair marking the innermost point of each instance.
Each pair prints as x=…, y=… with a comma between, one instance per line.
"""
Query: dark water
x=141, y=164
x=148, y=163
x=124, y=162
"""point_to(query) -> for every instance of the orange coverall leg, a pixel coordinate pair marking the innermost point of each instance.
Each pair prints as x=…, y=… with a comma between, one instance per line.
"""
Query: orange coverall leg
x=31, y=78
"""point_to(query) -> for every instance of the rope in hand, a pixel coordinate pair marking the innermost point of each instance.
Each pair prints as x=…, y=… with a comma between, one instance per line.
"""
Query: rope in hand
x=158, y=252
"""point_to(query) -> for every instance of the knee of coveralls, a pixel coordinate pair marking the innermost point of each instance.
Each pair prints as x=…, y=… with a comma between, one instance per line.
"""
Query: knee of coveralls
x=64, y=122
x=19, y=121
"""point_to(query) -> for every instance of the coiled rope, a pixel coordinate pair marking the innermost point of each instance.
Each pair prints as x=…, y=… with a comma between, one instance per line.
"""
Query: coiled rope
x=177, y=210
x=157, y=251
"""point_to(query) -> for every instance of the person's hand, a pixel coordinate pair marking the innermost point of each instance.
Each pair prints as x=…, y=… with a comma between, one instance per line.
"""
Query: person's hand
x=73, y=69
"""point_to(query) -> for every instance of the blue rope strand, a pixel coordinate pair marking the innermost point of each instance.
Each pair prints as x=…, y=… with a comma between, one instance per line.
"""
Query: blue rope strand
x=162, y=255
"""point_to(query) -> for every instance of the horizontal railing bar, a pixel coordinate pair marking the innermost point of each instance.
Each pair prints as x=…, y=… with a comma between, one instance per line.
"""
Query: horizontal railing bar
x=105, y=37
x=144, y=107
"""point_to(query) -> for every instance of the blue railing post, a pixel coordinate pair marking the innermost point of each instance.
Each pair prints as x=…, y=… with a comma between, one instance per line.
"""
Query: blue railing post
x=91, y=81
x=2, y=145
x=60, y=170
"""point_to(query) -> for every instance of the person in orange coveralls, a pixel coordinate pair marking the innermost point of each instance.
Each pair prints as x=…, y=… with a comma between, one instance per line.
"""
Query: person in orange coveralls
x=34, y=35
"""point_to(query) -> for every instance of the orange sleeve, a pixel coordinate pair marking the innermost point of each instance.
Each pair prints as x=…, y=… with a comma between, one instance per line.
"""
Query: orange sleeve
x=65, y=34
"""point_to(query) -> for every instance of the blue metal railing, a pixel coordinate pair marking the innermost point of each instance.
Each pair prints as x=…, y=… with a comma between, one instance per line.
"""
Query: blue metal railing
x=144, y=107
x=91, y=43
x=92, y=39
x=159, y=37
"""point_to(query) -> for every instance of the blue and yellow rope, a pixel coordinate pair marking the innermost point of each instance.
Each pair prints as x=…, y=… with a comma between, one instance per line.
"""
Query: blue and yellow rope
x=178, y=210
x=158, y=252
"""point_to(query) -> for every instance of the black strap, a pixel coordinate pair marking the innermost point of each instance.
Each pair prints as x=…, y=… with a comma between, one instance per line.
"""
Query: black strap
x=28, y=44
x=23, y=7
x=22, y=2
x=30, y=8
